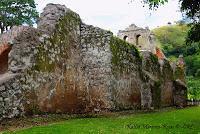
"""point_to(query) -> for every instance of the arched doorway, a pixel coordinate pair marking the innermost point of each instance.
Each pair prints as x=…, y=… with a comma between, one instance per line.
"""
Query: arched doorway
x=137, y=39
x=125, y=38
x=4, y=51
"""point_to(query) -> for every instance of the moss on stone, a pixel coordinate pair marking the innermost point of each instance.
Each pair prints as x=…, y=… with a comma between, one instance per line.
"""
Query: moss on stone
x=56, y=48
x=154, y=58
x=156, y=94
x=179, y=73
x=124, y=55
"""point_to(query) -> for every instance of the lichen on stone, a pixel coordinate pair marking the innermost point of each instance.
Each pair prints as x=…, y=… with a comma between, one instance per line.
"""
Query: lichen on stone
x=56, y=48
x=124, y=55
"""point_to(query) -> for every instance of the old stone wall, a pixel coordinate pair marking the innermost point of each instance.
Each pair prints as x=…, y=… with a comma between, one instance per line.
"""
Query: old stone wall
x=96, y=61
x=18, y=57
x=125, y=82
x=66, y=66
x=57, y=85
x=10, y=96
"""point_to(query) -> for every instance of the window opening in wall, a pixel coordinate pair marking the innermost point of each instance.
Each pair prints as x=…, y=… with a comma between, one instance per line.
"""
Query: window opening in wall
x=125, y=38
x=137, y=39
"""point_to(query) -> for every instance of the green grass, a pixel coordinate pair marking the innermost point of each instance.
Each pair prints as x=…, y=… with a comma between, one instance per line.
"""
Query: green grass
x=172, y=121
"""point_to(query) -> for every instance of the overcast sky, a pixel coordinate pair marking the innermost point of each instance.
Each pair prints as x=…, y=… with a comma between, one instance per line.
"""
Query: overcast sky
x=116, y=15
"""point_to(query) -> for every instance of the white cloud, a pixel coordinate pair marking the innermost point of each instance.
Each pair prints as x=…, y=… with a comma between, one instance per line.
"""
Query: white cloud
x=118, y=14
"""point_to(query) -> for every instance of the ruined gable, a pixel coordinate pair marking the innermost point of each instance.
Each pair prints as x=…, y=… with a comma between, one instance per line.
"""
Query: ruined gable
x=143, y=39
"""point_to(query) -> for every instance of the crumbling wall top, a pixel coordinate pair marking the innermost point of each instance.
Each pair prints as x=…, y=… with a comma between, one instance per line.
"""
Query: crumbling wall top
x=50, y=17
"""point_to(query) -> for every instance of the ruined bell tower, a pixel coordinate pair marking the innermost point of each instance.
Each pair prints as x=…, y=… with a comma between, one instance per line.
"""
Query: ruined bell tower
x=143, y=39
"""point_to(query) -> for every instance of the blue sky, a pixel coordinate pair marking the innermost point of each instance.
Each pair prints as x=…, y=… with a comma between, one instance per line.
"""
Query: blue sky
x=116, y=15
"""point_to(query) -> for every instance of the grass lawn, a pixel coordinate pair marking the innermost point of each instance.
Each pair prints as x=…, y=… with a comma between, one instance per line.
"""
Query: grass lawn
x=172, y=121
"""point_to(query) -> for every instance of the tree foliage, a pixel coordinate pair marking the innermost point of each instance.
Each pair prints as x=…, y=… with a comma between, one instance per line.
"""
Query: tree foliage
x=172, y=38
x=153, y=4
x=193, y=88
x=17, y=12
x=191, y=8
x=172, y=41
x=193, y=34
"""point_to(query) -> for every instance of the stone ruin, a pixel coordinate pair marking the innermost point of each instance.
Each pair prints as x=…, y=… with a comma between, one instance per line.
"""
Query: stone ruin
x=4, y=51
x=66, y=66
x=143, y=38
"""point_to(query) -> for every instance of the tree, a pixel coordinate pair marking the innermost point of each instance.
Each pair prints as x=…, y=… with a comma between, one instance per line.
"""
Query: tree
x=191, y=8
x=17, y=12
x=193, y=34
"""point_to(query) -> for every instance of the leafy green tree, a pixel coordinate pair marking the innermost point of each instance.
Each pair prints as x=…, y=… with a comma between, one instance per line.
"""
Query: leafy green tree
x=172, y=41
x=174, y=45
x=172, y=38
x=191, y=8
x=193, y=34
x=193, y=88
x=17, y=12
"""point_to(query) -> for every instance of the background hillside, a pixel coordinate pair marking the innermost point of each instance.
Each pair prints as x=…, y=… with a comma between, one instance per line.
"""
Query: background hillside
x=171, y=39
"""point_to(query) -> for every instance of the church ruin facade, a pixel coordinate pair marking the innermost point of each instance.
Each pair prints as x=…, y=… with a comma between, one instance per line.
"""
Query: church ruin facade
x=143, y=39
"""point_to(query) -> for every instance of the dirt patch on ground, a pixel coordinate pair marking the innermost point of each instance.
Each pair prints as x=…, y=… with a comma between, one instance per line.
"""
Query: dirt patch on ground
x=27, y=122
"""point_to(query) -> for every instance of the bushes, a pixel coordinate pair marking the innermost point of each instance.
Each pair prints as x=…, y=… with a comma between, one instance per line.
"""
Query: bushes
x=193, y=88
x=172, y=40
x=192, y=64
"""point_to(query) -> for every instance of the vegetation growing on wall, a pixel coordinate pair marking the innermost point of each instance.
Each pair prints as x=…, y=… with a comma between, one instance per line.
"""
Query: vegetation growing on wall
x=124, y=55
x=154, y=58
x=56, y=49
x=172, y=41
x=156, y=94
x=50, y=56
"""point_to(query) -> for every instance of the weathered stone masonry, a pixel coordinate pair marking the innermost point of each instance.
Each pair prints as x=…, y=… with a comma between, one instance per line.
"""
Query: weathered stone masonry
x=66, y=66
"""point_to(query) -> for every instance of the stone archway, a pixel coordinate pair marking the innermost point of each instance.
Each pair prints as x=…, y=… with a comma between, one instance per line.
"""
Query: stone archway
x=137, y=39
x=4, y=51
x=125, y=38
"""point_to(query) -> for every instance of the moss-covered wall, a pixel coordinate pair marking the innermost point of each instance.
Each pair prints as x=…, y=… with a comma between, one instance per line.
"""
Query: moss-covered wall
x=124, y=56
x=151, y=81
x=126, y=65
x=56, y=77
x=167, y=84
x=56, y=49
